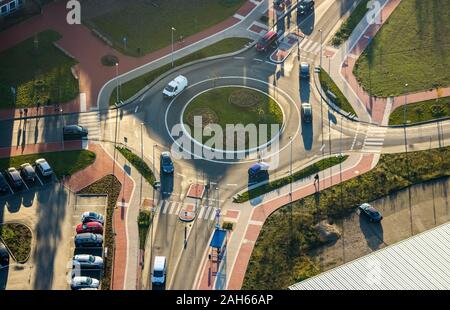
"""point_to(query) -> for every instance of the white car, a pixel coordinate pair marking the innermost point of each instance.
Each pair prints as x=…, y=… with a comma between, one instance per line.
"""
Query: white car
x=175, y=86
x=84, y=282
x=44, y=167
x=85, y=261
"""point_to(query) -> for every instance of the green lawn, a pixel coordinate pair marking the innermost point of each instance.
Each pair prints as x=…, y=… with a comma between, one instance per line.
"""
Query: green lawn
x=421, y=111
x=328, y=85
x=148, y=27
x=17, y=238
x=349, y=25
x=266, y=111
x=306, y=172
x=130, y=88
x=412, y=47
x=111, y=186
x=139, y=164
x=38, y=70
x=63, y=163
x=144, y=220
x=284, y=244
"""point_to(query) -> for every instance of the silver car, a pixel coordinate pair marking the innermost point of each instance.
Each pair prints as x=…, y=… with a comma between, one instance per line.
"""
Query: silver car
x=85, y=261
x=84, y=282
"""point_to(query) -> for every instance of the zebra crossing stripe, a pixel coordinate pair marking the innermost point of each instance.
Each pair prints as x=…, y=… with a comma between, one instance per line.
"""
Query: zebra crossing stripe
x=172, y=208
x=207, y=212
x=202, y=209
x=179, y=207
x=166, y=205
x=316, y=48
x=213, y=214
x=307, y=45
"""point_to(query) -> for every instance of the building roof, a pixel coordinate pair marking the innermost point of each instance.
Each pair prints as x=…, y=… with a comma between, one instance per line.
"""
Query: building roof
x=421, y=262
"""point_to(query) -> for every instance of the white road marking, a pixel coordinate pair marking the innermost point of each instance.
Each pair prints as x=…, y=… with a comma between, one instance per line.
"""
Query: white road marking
x=202, y=210
x=232, y=184
x=356, y=135
x=83, y=102
x=180, y=204
x=166, y=205
x=213, y=214
x=270, y=63
x=207, y=212
x=238, y=57
x=135, y=110
x=259, y=60
x=172, y=208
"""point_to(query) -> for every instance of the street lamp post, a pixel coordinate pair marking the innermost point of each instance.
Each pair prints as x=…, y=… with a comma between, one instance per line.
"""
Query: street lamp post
x=173, y=29
x=117, y=83
x=405, y=116
x=142, y=159
x=290, y=168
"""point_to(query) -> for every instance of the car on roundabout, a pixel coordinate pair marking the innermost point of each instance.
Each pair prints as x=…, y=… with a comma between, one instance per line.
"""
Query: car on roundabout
x=306, y=112
x=176, y=86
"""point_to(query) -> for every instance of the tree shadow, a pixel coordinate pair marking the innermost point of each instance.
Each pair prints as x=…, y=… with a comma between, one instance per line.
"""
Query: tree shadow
x=373, y=232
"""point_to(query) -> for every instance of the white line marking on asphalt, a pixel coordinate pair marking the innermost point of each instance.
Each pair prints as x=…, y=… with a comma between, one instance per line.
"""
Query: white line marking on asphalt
x=207, y=212
x=180, y=204
x=200, y=214
x=166, y=206
x=135, y=110
x=259, y=60
x=172, y=207
x=233, y=184
x=322, y=147
x=270, y=63
x=373, y=143
x=356, y=135
x=181, y=175
x=83, y=102
x=213, y=214
x=238, y=57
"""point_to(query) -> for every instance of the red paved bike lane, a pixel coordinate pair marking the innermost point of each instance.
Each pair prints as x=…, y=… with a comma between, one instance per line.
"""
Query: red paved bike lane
x=260, y=215
x=87, y=49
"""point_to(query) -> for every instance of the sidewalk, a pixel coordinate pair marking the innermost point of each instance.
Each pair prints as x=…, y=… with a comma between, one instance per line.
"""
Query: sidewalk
x=368, y=108
x=92, y=74
x=249, y=225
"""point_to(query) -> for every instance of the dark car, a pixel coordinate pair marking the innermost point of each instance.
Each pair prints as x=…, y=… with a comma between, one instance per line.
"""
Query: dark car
x=92, y=217
x=258, y=172
x=90, y=227
x=166, y=162
x=266, y=41
x=74, y=132
x=14, y=177
x=304, y=70
x=4, y=255
x=88, y=240
x=305, y=7
x=27, y=172
x=370, y=212
x=306, y=112
x=4, y=187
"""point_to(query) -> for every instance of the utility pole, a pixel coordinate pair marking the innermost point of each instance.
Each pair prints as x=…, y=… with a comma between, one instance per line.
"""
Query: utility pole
x=290, y=169
x=173, y=29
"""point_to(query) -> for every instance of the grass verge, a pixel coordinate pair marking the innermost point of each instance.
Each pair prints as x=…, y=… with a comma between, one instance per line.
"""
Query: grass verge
x=139, y=164
x=110, y=186
x=412, y=47
x=39, y=72
x=143, y=225
x=421, y=111
x=130, y=88
x=350, y=24
x=63, y=163
x=328, y=85
x=288, y=235
x=146, y=25
x=17, y=238
x=306, y=172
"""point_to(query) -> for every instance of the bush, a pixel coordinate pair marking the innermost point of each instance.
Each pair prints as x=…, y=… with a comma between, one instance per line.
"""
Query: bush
x=228, y=225
x=437, y=110
x=139, y=164
x=144, y=220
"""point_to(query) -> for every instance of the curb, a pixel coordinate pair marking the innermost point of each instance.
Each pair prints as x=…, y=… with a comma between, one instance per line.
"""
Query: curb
x=175, y=69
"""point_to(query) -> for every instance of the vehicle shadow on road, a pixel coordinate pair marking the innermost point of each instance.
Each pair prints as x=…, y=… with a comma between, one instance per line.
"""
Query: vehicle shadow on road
x=4, y=271
x=306, y=23
x=373, y=232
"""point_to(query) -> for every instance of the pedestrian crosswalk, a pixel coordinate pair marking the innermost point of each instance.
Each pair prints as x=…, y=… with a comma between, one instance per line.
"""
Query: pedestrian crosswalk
x=91, y=121
x=310, y=46
x=374, y=140
x=207, y=213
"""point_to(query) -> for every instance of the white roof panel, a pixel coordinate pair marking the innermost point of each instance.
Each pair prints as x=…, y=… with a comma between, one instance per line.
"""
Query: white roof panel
x=421, y=262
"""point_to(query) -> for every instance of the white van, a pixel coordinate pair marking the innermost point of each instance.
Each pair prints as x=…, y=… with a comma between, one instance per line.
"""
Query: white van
x=159, y=271
x=175, y=86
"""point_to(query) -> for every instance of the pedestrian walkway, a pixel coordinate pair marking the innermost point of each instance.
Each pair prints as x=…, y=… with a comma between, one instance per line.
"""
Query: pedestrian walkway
x=374, y=140
x=204, y=212
x=91, y=121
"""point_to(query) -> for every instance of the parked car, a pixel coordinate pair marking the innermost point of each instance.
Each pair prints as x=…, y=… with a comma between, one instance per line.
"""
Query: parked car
x=85, y=261
x=166, y=162
x=175, y=86
x=84, y=282
x=43, y=167
x=4, y=187
x=90, y=227
x=92, y=217
x=27, y=172
x=304, y=70
x=159, y=271
x=372, y=213
x=74, y=132
x=88, y=240
x=258, y=172
x=4, y=255
x=14, y=177
x=305, y=7
x=306, y=112
x=266, y=41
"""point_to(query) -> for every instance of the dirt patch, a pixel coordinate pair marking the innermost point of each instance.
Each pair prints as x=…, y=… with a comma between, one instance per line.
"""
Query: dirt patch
x=17, y=238
x=208, y=116
x=243, y=98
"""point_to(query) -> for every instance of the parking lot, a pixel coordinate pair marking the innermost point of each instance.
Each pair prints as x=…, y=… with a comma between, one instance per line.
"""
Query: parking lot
x=87, y=203
x=405, y=213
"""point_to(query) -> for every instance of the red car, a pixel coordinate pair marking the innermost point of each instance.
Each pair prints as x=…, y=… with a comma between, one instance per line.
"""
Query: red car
x=265, y=42
x=90, y=227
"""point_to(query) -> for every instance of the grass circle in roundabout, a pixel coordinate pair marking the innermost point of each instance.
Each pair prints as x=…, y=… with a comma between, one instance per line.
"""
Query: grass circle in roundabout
x=234, y=105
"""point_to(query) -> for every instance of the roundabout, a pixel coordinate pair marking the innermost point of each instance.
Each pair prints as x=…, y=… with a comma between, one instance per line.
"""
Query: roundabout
x=239, y=103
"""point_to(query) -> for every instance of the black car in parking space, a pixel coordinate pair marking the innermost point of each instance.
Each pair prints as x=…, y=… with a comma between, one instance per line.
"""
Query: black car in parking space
x=88, y=240
x=4, y=187
x=305, y=7
x=27, y=172
x=74, y=132
x=14, y=178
